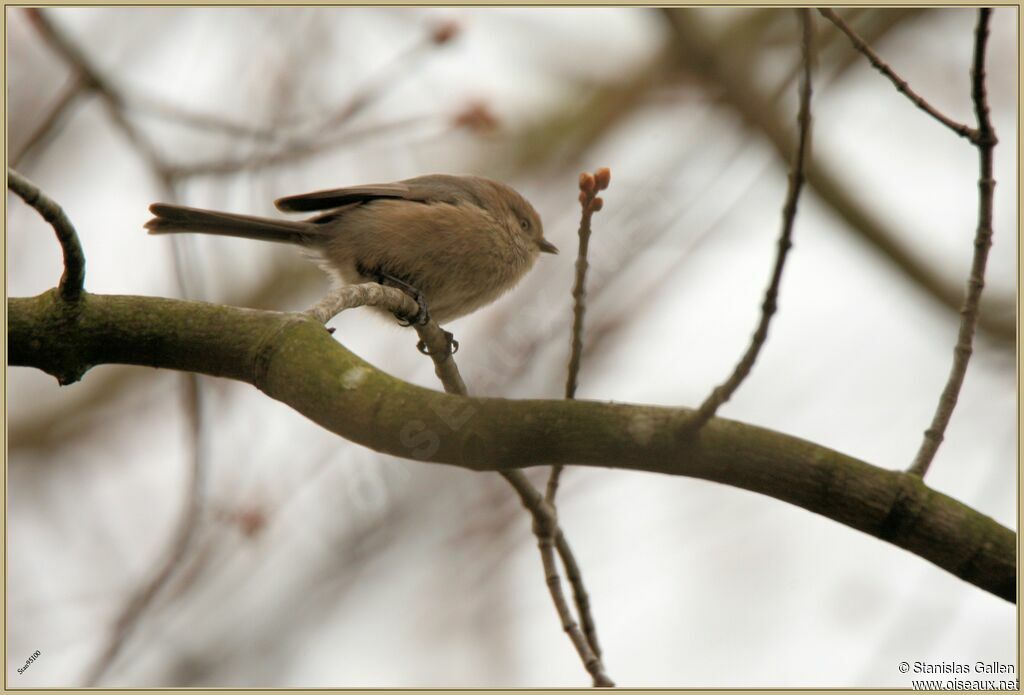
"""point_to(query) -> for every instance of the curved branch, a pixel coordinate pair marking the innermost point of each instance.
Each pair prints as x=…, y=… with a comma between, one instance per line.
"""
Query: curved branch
x=73, y=279
x=293, y=359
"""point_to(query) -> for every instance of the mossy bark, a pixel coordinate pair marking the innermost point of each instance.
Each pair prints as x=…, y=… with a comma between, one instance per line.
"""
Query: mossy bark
x=294, y=360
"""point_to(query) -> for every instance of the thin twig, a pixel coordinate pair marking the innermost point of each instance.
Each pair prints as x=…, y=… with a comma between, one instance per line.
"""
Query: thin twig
x=71, y=287
x=580, y=597
x=734, y=84
x=985, y=142
x=722, y=393
x=901, y=85
x=72, y=280
x=549, y=537
x=590, y=202
x=590, y=185
x=365, y=294
x=545, y=521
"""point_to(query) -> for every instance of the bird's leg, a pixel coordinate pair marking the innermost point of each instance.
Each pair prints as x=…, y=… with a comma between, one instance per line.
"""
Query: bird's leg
x=422, y=316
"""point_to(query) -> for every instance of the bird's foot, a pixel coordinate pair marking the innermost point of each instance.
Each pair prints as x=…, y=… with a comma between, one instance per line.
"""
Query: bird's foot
x=422, y=315
x=451, y=349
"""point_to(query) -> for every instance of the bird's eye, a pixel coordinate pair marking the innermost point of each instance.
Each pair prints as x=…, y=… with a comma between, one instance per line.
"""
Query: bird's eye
x=525, y=224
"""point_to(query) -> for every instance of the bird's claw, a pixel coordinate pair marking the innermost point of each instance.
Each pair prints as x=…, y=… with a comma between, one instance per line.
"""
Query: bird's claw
x=453, y=345
x=422, y=315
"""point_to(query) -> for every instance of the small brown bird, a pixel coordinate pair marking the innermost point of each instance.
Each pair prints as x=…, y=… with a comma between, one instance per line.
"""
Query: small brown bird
x=456, y=243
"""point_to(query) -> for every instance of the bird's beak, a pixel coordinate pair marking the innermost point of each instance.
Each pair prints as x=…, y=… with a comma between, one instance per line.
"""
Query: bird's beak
x=547, y=247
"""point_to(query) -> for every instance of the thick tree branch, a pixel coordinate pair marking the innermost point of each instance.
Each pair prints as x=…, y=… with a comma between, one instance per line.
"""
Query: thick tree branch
x=292, y=359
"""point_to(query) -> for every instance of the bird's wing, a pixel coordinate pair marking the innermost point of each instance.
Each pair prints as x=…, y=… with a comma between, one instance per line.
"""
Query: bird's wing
x=336, y=197
x=422, y=189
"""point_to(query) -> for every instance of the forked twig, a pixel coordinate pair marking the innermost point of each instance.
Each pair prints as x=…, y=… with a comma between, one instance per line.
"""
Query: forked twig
x=723, y=392
x=545, y=521
x=985, y=142
x=550, y=538
x=901, y=85
x=545, y=524
x=590, y=203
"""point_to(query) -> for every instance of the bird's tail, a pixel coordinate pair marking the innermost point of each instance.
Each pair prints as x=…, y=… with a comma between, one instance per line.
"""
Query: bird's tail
x=176, y=219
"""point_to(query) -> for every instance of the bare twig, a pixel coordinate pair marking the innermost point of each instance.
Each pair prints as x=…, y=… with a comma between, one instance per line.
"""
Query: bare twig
x=73, y=278
x=550, y=537
x=365, y=294
x=590, y=202
x=735, y=85
x=985, y=142
x=545, y=522
x=723, y=392
x=71, y=287
x=901, y=85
